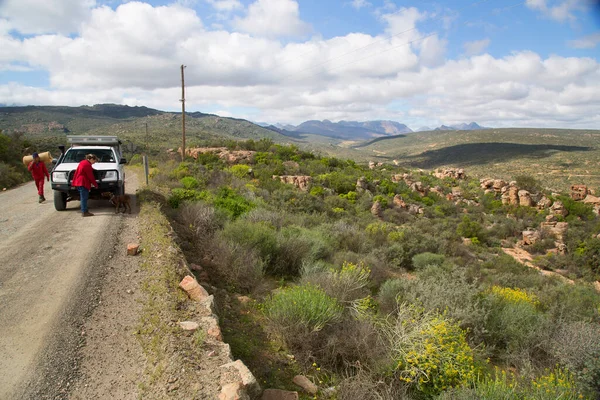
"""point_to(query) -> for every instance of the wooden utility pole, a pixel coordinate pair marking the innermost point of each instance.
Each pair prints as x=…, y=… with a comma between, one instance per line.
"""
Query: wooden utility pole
x=182, y=114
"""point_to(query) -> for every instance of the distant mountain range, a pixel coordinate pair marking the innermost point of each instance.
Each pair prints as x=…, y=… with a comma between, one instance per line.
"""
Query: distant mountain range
x=352, y=130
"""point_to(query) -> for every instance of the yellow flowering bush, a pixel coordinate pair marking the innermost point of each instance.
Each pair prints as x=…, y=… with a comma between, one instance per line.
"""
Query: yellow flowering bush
x=514, y=295
x=555, y=384
x=433, y=354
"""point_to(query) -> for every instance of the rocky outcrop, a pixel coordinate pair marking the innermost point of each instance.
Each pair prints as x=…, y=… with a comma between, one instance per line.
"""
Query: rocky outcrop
x=362, y=185
x=544, y=203
x=420, y=188
x=558, y=208
x=453, y=173
x=530, y=237
x=556, y=229
x=579, y=192
x=302, y=182
x=376, y=209
x=525, y=199
x=229, y=156
x=399, y=202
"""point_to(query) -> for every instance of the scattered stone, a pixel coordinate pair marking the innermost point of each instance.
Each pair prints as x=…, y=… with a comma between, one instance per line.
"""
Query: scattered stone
x=248, y=381
x=305, y=384
x=193, y=288
x=129, y=291
x=277, y=394
x=211, y=353
x=244, y=299
x=233, y=391
x=132, y=249
x=189, y=326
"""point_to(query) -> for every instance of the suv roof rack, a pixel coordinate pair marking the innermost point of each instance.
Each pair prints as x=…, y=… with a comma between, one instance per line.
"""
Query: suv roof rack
x=93, y=140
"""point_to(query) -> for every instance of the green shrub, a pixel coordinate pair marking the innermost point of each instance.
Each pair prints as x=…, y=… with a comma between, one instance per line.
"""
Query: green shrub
x=241, y=170
x=257, y=236
x=189, y=182
x=179, y=195
x=469, y=228
x=301, y=310
x=388, y=295
x=529, y=183
x=513, y=321
x=424, y=260
x=232, y=203
x=346, y=284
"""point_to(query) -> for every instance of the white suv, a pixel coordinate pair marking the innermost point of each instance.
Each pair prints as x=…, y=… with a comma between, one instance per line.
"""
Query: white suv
x=109, y=170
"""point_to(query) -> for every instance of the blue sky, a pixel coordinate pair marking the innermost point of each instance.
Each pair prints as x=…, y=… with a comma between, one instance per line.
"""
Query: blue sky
x=497, y=62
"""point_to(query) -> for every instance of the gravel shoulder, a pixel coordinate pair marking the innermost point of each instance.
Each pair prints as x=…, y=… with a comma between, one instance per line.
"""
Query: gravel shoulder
x=52, y=268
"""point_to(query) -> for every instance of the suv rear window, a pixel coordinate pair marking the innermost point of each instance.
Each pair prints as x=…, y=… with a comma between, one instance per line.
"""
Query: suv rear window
x=76, y=155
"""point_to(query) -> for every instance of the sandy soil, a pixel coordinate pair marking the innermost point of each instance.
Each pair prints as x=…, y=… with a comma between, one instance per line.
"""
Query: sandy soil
x=57, y=271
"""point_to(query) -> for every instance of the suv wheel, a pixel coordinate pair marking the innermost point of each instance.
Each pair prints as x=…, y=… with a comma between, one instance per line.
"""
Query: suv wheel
x=60, y=200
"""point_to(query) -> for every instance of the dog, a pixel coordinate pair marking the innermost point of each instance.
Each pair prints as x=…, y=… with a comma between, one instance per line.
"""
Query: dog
x=118, y=201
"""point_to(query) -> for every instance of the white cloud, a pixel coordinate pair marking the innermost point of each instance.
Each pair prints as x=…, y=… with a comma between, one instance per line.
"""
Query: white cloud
x=45, y=16
x=225, y=5
x=132, y=54
x=586, y=42
x=272, y=18
x=358, y=4
x=476, y=47
x=563, y=11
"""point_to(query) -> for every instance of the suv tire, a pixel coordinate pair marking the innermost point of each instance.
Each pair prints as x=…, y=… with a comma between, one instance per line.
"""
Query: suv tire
x=60, y=200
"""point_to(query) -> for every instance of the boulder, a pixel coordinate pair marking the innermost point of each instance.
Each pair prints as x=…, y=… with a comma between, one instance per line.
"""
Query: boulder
x=302, y=182
x=513, y=196
x=589, y=199
x=525, y=198
x=233, y=391
x=544, y=203
x=579, y=192
x=371, y=165
x=399, y=202
x=248, y=381
x=415, y=209
x=530, y=237
x=193, y=289
x=189, y=326
x=454, y=173
x=361, y=184
x=376, y=209
x=498, y=184
x=305, y=384
x=558, y=208
x=420, y=188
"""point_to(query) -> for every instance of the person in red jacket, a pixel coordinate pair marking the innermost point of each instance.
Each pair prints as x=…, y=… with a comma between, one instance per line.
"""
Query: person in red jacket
x=38, y=172
x=84, y=180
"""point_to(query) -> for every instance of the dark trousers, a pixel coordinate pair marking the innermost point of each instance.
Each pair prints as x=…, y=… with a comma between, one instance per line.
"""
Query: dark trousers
x=84, y=195
x=39, y=184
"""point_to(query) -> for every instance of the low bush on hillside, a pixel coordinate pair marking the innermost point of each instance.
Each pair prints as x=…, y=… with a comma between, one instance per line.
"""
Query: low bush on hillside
x=399, y=303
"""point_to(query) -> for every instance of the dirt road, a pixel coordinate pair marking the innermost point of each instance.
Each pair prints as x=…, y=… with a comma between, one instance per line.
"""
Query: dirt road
x=50, y=281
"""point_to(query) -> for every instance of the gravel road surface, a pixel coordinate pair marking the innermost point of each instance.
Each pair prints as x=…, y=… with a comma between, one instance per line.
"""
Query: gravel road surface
x=50, y=282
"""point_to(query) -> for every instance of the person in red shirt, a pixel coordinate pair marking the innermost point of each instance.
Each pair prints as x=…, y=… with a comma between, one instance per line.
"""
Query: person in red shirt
x=84, y=180
x=38, y=171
